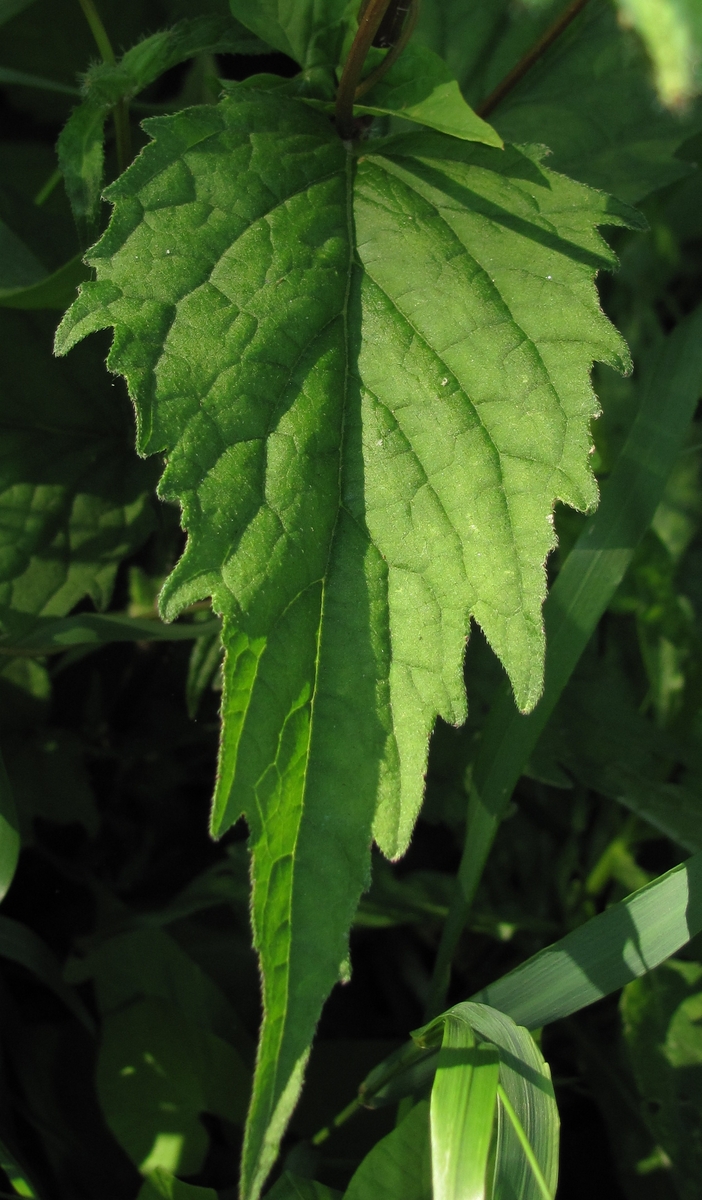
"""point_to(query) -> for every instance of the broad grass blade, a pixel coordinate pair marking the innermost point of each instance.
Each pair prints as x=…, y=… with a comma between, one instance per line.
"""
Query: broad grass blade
x=619, y=945
x=525, y=1082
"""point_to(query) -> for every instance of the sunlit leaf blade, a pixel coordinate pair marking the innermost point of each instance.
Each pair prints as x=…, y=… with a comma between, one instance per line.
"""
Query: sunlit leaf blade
x=399, y=1165
x=526, y=1080
x=367, y=439
x=583, y=589
x=462, y=1113
x=610, y=950
x=421, y=88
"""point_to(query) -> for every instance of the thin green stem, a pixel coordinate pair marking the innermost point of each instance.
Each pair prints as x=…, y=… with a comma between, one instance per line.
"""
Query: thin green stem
x=524, y=1143
x=339, y=1119
x=98, y=31
x=120, y=112
x=47, y=188
x=368, y=26
x=481, y=827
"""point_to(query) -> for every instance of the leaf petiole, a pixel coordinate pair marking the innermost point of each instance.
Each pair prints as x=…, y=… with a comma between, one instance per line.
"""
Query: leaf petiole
x=525, y=63
x=368, y=25
x=393, y=53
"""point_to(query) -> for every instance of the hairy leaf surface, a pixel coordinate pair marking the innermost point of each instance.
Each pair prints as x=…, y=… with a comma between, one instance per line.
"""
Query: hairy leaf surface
x=370, y=377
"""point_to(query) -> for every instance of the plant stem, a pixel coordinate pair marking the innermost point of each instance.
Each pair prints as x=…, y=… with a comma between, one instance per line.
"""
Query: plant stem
x=526, y=63
x=339, y=1119
x=367, y=28
x=120, y=112
x=392, y=55
x=524, y=1143
x=98, y=31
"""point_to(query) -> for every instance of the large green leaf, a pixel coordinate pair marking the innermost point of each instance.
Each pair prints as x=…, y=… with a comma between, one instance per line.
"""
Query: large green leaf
x=74, y=498
x=371, y=379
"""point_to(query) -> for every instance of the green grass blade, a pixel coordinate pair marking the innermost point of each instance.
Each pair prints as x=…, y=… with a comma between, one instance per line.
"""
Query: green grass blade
x=48, y=636
x=580, y=595
x=21, y=79
x=463, y=1104
x=53, y=291
x=21, y=945
x=525, y=1082
x=619, y=945
x=9, y=833
x=525, y=1144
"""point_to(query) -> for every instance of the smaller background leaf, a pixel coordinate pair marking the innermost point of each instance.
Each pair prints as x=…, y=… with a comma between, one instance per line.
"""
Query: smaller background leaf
x=399, y=1166
x=672, y=33
x=161, y=1185
x=156, y=1073
x=662, y=1024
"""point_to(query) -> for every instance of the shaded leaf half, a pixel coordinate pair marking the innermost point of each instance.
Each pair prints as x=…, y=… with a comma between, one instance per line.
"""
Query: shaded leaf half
x=371, y=380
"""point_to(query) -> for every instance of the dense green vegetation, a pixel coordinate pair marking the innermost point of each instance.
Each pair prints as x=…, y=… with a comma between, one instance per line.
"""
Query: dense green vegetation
x=382, y=525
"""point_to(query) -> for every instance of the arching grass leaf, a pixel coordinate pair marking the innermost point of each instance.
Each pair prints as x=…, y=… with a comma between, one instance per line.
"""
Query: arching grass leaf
x=461, y=1137
x=370, y=376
